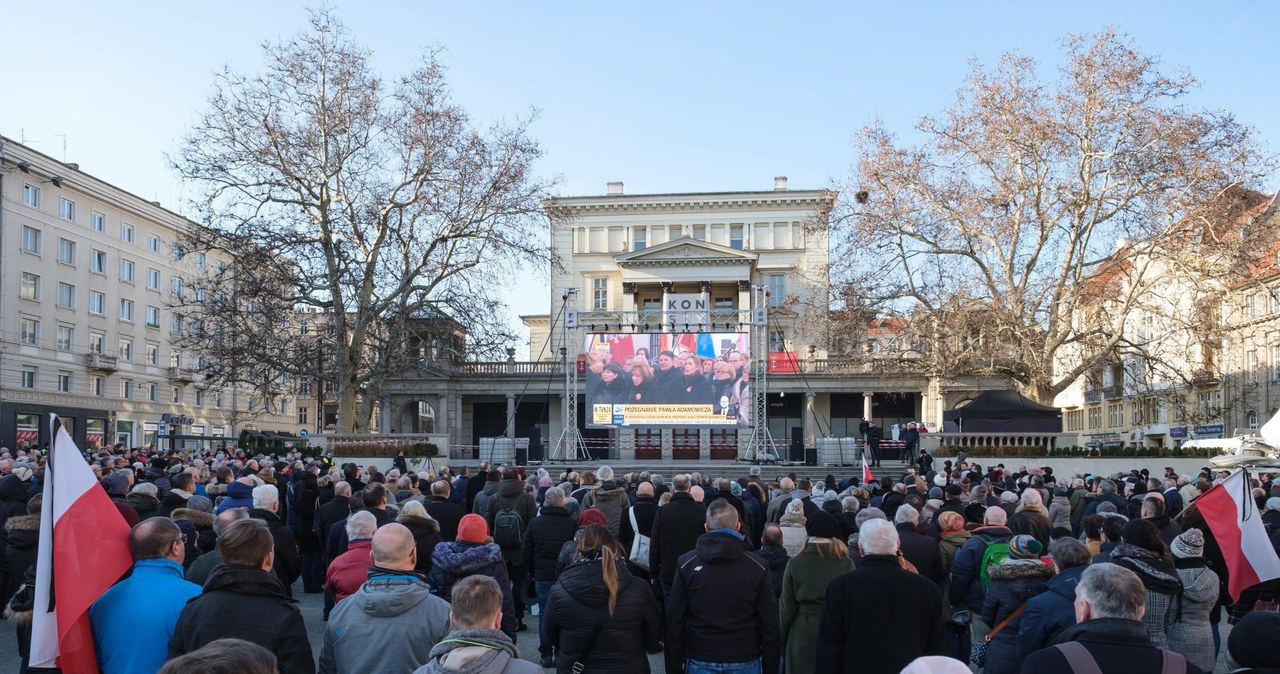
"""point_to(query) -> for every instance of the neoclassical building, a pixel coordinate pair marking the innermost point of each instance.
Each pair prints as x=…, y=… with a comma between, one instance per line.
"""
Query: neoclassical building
x=621, y=255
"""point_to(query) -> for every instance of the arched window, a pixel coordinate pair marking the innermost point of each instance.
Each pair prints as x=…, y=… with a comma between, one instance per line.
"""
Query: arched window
x=1251, y=419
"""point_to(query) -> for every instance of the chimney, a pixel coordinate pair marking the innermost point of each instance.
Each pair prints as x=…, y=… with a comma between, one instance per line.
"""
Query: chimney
x=780, y=183
x=615, y=188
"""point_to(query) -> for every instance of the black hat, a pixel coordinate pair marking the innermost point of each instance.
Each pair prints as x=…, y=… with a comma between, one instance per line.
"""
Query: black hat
x=1252, y=641
x=820, y=525
x=954, y=489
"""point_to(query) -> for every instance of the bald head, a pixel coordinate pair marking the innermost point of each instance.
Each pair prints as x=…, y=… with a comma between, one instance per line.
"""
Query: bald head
x=645, y=489
x=995, y=516
x=394, y=547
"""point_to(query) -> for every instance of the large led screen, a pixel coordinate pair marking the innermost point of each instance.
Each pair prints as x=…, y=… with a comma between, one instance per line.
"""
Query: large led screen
x=677, y=379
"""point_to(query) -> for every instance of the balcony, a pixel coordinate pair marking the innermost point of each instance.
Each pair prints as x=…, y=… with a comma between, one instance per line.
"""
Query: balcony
x=1093, y=395
x=182, y=375
x=100, y=362
x=1205, y=377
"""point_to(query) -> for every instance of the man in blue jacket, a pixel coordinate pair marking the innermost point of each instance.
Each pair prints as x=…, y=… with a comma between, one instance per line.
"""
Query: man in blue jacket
x=148, y=602
x=1050, y=612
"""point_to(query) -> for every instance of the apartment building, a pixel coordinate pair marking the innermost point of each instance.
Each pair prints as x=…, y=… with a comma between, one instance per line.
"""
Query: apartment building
x=87, y=275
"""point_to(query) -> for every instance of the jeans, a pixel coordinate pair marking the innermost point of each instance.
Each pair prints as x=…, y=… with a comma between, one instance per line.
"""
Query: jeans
x=543, y=588
x=699, y=667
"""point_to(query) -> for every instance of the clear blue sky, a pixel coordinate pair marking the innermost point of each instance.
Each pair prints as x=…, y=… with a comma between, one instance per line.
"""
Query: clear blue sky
x=666, y=96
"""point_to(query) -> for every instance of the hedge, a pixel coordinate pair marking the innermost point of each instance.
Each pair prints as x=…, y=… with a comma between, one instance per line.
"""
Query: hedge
x=1038, y=451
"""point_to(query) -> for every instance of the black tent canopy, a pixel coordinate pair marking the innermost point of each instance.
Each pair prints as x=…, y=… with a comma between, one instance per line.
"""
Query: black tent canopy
x=1003, y=412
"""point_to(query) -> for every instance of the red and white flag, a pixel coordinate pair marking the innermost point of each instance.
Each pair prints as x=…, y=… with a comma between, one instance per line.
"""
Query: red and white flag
x=1236, y=522
x=84, y=548
x=866, y=471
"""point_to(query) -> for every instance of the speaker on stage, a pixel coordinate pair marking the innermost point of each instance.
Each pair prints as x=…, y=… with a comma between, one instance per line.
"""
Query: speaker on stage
x=796, y=453
x=810, y=456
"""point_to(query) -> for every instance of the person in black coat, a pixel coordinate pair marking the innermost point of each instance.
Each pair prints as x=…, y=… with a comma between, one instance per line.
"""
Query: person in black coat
x=288, y=563
x=443, y=510
x=906, y=622
x=336, y=510
x=1109, y=628
x=13, y=498
x=676, y=529
x=304, y=499
x=21, y=537
x=644, y=511
x=922, y=551
x=476, y=485
x=543, y=540
x=1050, y=613
x=598, y=591
x=694, y=389
x=772, y=552
x=243, y=600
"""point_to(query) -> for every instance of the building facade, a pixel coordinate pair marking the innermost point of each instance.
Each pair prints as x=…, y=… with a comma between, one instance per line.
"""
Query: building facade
x=86, y=277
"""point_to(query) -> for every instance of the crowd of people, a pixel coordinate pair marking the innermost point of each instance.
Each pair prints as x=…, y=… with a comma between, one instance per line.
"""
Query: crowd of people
x=1006, y=569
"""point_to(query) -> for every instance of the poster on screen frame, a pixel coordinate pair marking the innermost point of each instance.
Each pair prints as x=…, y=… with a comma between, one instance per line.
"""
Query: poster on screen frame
x=674, y=379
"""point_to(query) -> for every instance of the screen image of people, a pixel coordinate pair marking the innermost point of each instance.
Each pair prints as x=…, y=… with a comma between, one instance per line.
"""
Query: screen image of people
x=668, y=379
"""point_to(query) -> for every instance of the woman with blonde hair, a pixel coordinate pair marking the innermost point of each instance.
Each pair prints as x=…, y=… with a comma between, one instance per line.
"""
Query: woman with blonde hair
x=822, y=557
x=598, y=593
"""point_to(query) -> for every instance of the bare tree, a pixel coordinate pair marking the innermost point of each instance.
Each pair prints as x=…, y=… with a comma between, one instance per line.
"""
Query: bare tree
x=368, y=201
x=1026, y=200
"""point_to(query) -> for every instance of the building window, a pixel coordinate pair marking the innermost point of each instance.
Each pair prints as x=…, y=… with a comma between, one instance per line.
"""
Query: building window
x=639, y=238
x=302, y=415
x=97, y=221
x=153, y=279
x=67, y=251
x=177, y=395
x=97, y=303
x=30, y=288
x=700, y=232
x=175, y=285
x=153, y=317
x=777, y=289
x=200, y=260
x=1095, y=418
x=31, y=196
x=735, y=236
x=1251, y=419
x=126, y=349
x=217, y=400
x=175, y=359
x=151, y=392
x=98, y=261
x=126, y=271
x=126, y=310
x=153, y=353
x=1251, y=305
x=777, y=340
x=600, y=294
x=199, y=398
x=64, y=382
x=1115, y=415
x=175, y=323
x=30, y=331
x=95, y=386
x=67, y=209
x=153, y=243
x=97, y=342
x=304, y=386
x=1251, y=365
x=30, y=240
x=66, y=295
x=66, y=337
x=28, y=377
x=284, y=407
x=126, y=232
x=1275, y=363
x=126, y=389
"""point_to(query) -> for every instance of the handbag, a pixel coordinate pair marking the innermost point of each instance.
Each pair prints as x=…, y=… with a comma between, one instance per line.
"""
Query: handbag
x=639, y=546
x=978, y=655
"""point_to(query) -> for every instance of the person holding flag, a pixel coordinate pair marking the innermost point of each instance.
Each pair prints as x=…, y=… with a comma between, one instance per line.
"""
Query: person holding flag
x=83, y=550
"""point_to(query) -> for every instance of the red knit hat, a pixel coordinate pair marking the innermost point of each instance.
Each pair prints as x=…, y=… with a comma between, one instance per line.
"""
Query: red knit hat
x=592, y=516
x=472, y=529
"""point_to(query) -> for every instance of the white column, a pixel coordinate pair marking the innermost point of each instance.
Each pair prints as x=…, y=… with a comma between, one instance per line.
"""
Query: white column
x=810, y=428
x=511, y=415
x=866, y=406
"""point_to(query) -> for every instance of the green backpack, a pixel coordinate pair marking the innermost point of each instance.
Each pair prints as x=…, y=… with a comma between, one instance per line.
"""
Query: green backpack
x=995, y=553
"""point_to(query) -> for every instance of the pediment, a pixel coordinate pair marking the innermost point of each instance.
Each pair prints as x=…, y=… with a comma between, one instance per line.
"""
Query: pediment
x=686, y=250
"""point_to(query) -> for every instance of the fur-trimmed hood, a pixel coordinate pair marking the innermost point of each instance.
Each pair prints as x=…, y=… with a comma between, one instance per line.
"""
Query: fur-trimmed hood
x=201, y=519
x=22, y=523
x=1014, y=569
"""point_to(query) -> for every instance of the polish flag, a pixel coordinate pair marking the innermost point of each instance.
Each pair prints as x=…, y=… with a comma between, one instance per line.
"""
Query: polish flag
x=866, y=471
x=1234, y=519
x=84, y=549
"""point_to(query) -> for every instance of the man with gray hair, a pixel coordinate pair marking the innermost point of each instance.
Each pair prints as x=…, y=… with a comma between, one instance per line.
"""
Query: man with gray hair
x=676, y=528
x=288, y=562
x=967, y=587
x=722, y=613
x=347, y=571
x=200, y=569
x=907, y=613
x=1109, y=605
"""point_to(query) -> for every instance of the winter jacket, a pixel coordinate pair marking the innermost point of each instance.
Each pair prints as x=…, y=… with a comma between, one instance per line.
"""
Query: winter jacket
x=722, y=607
x=511, y=494
x=1163, y=586
x=347, y=572
x=451, y=562
x=245, y=603
x=645, y=510
x=855, y=640
x=777, y=558
x=426, y=536
x=288, y=564
x=1049, y=612
x=21, y=537
x=1169, y=529
x=391, y=607
x=1013, y=582
x=676, y=530
x=1060, y=512
x=579, y=601
x=477, y=652
x=448, y=514
x=804, y=585
x=923, y=552
x=966, y=576
x=156, y=584
x=1191, y=634
x=543, y=540
x=1119, y=646
x=303, y=495
x=336, y=510
x=206, y=539
x=199, y=570
x=611, y=499
x=793, y=535
x=238, y=496
x=176, y=498
x=13, y=498
x=481, y=504
x=146, y=506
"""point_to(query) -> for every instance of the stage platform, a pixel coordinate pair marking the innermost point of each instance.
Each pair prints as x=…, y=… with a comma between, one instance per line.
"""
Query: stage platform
x=730, y=469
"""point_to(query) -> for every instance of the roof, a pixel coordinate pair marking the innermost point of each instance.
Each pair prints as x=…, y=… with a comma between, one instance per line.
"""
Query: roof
x=1006, y=404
